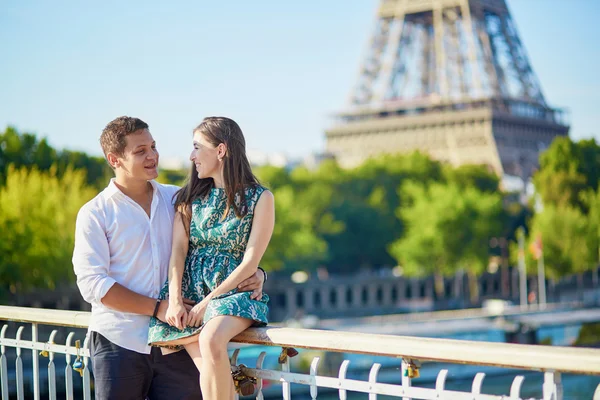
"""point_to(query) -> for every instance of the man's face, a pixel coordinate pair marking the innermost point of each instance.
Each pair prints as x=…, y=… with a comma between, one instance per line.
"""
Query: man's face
x=140, y=157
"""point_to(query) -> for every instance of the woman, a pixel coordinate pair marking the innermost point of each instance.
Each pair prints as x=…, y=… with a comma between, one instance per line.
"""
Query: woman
x=224, y=222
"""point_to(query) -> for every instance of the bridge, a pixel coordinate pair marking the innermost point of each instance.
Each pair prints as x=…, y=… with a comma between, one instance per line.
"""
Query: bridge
x=469, y=320
x=409, y=354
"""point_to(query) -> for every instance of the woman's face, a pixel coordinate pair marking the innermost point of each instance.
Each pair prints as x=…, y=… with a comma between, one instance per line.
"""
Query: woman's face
x=206, y=157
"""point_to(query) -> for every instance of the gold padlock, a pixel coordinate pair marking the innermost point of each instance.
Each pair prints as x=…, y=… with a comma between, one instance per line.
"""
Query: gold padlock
x=44, y=353
x=413, y=371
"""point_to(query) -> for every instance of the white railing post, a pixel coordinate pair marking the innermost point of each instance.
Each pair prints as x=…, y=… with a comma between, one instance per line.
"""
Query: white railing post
x=51, y=369
x=85, y=374
x=313, y=373
x=477, y=383
x=552, y=388
x=19, y=366
x=233, y=362
x=259, y=381
x=36, y=362
x=515, y=388
x=3, y=365
x=69, y=370
x=410, y=350
x=440, y=383
x=285, y=386
x=406, y=381
x=342, y=377
x=373, y=379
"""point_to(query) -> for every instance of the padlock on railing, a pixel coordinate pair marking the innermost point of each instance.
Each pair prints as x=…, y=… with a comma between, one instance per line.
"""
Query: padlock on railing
x=78, y=363
x=412, y=368
x=45, y=353
x=244, y=384
x=285, y=353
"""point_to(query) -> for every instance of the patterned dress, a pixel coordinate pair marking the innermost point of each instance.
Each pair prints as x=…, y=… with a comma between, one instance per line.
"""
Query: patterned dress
x=217, y=245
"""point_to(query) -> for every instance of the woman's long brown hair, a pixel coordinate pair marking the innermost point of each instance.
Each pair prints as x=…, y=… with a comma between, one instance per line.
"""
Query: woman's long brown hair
x=237, y=172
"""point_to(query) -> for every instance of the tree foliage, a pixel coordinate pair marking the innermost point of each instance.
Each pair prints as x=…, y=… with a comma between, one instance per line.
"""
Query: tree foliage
x=448, y=228
x=408, y=210
x=37, y=225
x=25, y=150
x=568, y=219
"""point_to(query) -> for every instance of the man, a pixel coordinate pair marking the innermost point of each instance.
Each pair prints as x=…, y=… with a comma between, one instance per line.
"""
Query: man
x=121, y=257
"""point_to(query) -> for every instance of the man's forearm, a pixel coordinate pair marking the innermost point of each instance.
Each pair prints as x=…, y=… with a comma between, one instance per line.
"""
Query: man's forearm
x=120, y=298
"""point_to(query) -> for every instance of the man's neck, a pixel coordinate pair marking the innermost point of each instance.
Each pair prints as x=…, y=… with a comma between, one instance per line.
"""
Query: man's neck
x=134, y=188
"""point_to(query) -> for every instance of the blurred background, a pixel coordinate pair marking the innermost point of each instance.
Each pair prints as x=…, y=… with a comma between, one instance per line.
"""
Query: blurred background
x=421, y=159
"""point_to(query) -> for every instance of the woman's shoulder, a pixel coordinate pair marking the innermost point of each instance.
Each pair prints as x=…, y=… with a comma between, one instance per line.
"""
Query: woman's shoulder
x=255, y=191
x=254, y=188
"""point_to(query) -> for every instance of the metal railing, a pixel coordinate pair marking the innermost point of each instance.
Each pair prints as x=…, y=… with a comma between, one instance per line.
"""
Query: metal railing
x=406, y=352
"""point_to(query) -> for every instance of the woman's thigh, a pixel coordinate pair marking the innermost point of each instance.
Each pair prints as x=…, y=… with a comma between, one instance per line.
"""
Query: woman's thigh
x=223, y=328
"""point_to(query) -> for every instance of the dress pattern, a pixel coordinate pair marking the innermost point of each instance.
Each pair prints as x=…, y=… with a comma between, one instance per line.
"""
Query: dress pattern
x=217, y=245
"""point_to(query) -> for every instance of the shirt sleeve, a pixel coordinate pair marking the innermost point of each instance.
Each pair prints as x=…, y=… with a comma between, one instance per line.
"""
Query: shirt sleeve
x=91, y=257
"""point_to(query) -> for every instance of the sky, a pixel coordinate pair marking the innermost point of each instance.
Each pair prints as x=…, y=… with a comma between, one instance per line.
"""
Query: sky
x=281, y=69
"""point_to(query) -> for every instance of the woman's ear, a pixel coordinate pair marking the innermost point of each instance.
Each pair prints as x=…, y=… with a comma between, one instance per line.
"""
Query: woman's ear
x=222, y=151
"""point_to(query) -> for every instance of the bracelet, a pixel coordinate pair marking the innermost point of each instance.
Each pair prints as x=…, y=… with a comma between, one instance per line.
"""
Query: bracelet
x=155, y=313
x=264, y=272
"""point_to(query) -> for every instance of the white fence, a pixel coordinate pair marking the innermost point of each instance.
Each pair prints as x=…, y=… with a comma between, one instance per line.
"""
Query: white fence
x=406, y=352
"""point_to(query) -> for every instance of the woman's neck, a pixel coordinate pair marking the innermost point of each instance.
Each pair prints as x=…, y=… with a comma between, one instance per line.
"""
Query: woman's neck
x=219, y=181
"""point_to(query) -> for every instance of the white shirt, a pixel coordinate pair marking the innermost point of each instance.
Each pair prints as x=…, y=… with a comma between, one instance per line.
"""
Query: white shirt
x=116, y=241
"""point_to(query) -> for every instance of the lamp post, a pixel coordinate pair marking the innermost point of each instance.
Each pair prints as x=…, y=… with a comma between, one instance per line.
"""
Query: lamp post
x=522, y=268
x=502, y=244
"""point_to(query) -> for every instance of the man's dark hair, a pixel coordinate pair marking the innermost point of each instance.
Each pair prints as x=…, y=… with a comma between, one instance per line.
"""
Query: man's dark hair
x=113, y=136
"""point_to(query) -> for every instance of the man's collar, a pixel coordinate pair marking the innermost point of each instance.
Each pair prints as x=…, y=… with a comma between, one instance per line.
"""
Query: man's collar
x=112, y=188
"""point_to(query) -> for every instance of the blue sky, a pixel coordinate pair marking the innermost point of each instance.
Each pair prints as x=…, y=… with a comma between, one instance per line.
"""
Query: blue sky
x=279, y=68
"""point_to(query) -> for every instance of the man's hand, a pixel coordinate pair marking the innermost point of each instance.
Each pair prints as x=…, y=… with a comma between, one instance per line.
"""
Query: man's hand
x=253, y=284
x=164, y=305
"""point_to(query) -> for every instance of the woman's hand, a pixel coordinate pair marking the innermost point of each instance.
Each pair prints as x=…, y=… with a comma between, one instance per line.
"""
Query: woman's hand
x=176, y=314
x=196, y=314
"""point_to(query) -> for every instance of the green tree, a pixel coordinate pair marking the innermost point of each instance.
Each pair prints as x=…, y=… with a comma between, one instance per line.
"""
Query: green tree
x=172, y=176
x=448, y=228
x=37, y=224
x=366, y=199
x=477, y=176
x=566, y=243
x=592, y=200
x=567, y=170
x=25, y=150
x=273, y=177
x=301, y=219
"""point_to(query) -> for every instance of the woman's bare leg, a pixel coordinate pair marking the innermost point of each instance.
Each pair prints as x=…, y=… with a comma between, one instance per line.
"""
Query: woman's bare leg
x=194, y=351
x=215, y=380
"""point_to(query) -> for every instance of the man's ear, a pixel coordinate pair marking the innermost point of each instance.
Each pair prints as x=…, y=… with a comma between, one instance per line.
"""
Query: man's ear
x=113, y=160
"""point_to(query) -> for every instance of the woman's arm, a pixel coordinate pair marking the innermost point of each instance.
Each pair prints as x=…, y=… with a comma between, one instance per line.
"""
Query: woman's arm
x=260, y=235
x=176, y=313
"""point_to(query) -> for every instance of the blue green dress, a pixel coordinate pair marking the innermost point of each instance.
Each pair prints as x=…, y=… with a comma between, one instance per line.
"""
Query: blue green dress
x=217, y=245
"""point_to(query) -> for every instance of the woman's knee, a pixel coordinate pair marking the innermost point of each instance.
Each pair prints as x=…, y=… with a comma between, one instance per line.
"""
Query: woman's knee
x=212, y=345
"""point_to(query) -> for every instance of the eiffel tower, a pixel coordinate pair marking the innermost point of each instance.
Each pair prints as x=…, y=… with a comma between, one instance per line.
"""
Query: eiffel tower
x=449, y=78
